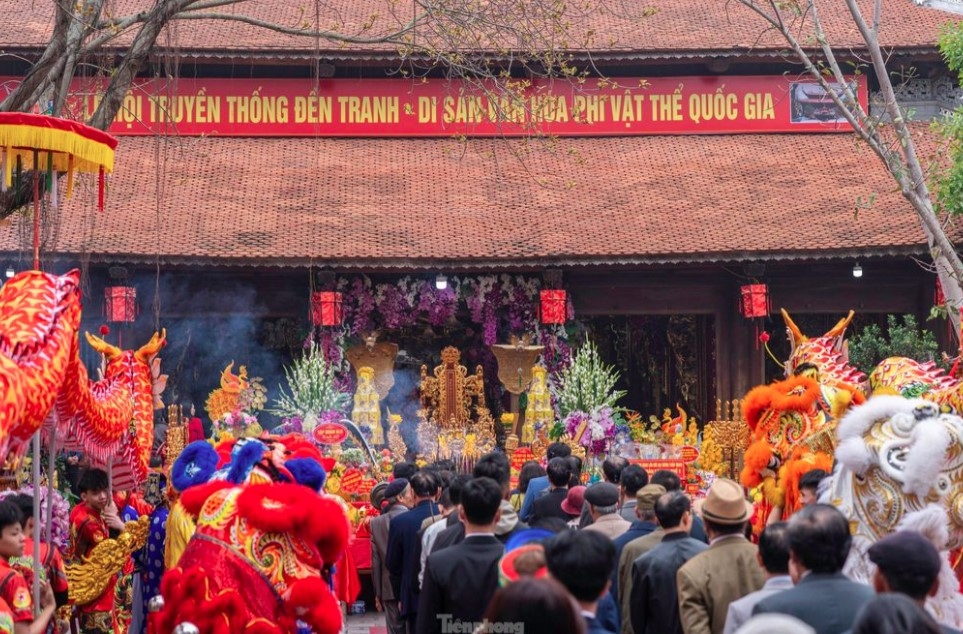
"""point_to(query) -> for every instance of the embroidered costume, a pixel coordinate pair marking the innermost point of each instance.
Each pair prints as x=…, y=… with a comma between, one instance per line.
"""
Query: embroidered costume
x=259, y=561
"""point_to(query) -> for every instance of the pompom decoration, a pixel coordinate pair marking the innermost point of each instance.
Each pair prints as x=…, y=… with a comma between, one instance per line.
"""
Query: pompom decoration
x=764, y=337
x=104, y=330
x=196, y=464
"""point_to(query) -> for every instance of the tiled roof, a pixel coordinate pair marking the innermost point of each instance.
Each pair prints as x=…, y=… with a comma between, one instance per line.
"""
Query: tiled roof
x=486, y=202
x=677, y=28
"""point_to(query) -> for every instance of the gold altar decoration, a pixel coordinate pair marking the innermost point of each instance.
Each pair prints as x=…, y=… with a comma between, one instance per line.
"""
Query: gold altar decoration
x=227, y=398
x=539, y=407
x=515, y=364
x=724, y=440
x=380, y=357
x=176, y=438
x=455, y=422
x=511, y=444
x=87, y=580
x=540, y=444
x=515, y=361
x=395, y=442
x=367, y=406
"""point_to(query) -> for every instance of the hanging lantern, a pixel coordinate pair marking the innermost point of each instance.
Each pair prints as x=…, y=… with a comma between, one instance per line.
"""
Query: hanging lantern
x=120, y=303
x=326, y=308
x=554, y=305
x=755, y=301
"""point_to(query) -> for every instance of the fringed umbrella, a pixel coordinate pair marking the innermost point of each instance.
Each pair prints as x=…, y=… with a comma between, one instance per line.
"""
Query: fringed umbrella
x=50, y=146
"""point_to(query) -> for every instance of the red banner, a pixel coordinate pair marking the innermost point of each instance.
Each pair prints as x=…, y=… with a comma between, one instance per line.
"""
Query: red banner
x=330, y=434
x=351, y=480
x=624, y=106
x=656, y=464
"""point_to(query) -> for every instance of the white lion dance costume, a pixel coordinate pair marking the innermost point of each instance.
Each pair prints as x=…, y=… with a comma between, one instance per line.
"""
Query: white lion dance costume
x=899, y=466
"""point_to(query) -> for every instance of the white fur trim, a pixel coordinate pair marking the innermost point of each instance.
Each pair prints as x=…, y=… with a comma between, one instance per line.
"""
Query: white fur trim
x=855, y=455
x=927, y=456
x=931, y=522
x=858, y=420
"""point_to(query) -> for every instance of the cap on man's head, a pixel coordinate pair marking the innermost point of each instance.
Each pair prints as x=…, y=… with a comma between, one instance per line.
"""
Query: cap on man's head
x=907, y=552
x=648, y=495
x=396, y=488
x=377, y=495
x=602, y=494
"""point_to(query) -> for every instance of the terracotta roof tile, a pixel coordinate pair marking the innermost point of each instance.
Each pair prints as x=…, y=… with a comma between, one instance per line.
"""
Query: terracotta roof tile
x=679, y=27
x=487, y=202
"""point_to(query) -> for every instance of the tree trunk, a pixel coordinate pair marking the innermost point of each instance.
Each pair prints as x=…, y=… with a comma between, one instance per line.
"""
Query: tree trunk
x=133, y=60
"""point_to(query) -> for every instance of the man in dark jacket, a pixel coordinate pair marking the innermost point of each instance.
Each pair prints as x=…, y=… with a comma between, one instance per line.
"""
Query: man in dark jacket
x=908, y=563
x=537, y=487
x=461, y=579
x=583, y=562
x=402, y=558
x=492, y=465
x=655, y=601
x=550, y=505
x=825, y=599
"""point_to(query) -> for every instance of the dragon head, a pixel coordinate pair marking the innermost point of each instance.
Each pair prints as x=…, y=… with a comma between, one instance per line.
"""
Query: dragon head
x=828, y=352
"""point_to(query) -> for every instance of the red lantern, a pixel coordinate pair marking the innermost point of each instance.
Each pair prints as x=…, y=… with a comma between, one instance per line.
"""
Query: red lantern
x=120, y=303
x=326, y=308
x=939, y=298
x=755, y=301
x=554, y=306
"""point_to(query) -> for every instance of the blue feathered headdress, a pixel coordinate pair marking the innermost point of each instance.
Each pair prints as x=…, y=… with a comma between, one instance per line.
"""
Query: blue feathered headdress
x=196, y=464
x=244, y=456
x=307, y=471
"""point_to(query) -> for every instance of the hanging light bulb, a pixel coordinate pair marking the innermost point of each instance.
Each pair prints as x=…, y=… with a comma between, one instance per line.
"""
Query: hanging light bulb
x=441, y=282
x=857, y=270
x=10, y=272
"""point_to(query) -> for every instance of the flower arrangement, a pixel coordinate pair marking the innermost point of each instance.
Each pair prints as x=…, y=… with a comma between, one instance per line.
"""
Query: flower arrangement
x=313, y=391
x=593, y=431
x=587, y=383
x=488, y=299
x=237, y=424
x=585, y=396
x=60, y=524
x=353, y=458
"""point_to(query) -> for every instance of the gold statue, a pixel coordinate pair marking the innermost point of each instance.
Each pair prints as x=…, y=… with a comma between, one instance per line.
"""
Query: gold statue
x=380, y=357
x=539, y=408
x=367, y=408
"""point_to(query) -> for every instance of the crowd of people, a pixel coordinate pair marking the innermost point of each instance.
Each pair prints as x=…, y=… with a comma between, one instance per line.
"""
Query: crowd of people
x=98, y=516
x=466, y=553
x=632, y=554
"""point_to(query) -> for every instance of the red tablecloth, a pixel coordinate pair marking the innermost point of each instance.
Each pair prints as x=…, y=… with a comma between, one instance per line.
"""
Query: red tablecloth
x=361, y=552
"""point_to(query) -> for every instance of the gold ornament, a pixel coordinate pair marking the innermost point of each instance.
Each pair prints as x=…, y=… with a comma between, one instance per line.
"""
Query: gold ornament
x=88, y=580
x=380, y=357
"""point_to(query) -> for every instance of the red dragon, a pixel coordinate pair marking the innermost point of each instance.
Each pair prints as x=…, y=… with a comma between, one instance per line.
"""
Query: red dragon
x=41, y=371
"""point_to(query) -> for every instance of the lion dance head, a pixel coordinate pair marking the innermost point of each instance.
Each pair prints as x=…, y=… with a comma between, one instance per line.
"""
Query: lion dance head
x=266, y=538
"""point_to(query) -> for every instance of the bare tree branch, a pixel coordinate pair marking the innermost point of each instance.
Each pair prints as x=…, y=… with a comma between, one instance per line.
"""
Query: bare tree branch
x=334, y=36
x=898, y=152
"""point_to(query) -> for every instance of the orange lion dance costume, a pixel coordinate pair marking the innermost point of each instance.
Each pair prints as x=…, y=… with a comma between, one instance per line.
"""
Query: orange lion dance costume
x=792, y=422
x=266, y=539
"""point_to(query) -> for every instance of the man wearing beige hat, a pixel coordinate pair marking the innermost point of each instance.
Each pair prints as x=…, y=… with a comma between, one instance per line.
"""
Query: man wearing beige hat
x=727, y=571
